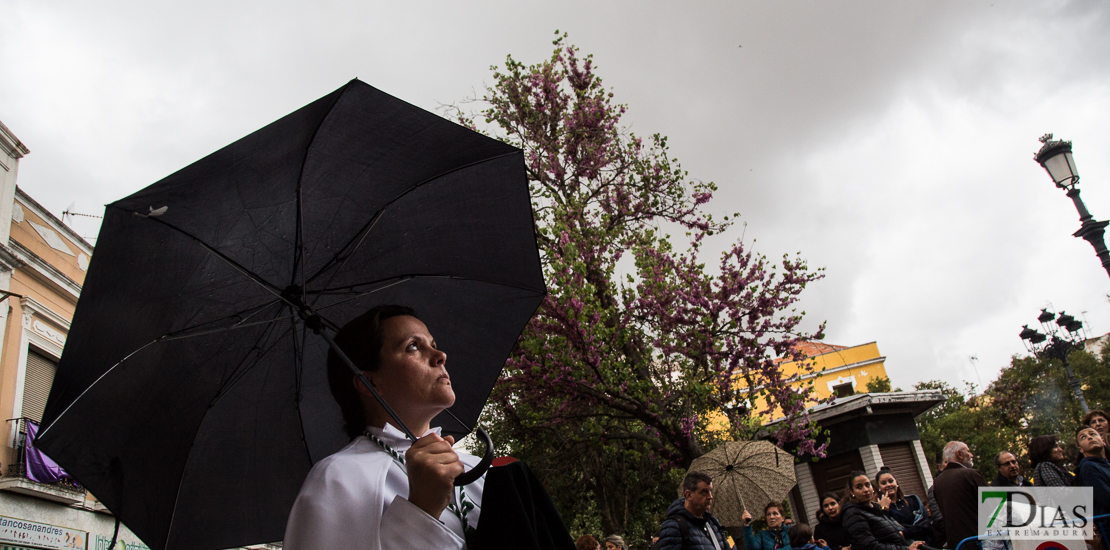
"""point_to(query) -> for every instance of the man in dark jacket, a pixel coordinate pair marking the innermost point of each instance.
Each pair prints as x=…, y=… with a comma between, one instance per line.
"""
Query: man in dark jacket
x=1094, y=470
x=702, y=531
x=957, y=492
x=1009, y=471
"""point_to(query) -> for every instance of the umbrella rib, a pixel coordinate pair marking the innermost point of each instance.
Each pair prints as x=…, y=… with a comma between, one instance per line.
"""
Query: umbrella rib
x=234, y=265
x=223, y=391
x=95, y=382
x=407, y=277
x=356, y=241
x=298, y=242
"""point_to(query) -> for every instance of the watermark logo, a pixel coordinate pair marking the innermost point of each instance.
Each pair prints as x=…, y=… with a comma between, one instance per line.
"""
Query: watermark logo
x=1036, y=513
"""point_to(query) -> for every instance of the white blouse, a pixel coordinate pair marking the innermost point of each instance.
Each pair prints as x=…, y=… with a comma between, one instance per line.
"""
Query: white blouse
x=357, y=498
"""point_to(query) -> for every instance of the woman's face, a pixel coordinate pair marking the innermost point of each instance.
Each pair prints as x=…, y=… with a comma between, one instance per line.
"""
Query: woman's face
x=861, y=490
x=1100, y=424
x=611, y=546
x=888, y=485
x=413, y=374
x=1058, y=452
x=831, y=507
x=774, y=518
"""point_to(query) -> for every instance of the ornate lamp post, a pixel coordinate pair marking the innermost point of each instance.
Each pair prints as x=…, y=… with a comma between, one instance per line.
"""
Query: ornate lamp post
x=1057, y=344
x=1056, y=158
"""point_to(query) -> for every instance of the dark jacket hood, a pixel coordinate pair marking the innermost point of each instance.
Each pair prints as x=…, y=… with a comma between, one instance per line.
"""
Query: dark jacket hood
x=678, y=508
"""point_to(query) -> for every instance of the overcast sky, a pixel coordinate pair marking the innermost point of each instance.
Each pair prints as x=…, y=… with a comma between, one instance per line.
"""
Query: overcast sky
x=889, y=141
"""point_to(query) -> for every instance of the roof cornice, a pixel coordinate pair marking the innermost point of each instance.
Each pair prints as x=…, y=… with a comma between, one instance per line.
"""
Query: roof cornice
x=55, y=223
x=11, y=144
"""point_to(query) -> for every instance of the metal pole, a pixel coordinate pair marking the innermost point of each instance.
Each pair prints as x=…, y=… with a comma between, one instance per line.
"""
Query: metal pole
x=1090, y=230
x=1076, y=387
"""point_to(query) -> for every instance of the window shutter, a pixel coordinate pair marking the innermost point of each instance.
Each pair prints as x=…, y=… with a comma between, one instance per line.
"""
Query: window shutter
x=36, y=385
x=899, y=458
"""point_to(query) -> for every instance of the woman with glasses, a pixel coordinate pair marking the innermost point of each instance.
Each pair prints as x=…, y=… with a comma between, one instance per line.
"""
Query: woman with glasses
x=1047, y=456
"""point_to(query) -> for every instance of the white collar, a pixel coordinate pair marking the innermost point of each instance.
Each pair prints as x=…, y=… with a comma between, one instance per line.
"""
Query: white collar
x=395, y=438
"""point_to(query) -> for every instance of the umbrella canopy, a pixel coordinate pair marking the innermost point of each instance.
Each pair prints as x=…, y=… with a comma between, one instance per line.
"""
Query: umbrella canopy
x=746, y=476
x=191, y=398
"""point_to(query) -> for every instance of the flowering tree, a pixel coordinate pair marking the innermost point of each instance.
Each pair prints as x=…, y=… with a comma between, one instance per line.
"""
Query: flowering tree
x=641, y=374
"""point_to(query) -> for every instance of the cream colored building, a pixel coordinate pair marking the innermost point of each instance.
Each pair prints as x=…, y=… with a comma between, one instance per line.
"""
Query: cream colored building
x=42, y=267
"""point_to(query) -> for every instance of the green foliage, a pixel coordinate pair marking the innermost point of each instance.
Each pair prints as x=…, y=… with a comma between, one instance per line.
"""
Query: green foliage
x=880, y=384
x=1030, y=397
x=611, y=390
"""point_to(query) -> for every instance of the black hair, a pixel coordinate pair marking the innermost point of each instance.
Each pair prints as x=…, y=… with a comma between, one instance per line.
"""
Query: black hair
x=1040, y=449
x=851, y=477
x=799, y=534
x=361, y=340
x=886, y=470
x=690, y=482
x=1080, y=429
x=821, y=503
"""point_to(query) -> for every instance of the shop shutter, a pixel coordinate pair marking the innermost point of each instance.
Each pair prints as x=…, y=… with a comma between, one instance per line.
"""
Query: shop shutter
x=36, y=385
x=899, y=458
x=831, y=474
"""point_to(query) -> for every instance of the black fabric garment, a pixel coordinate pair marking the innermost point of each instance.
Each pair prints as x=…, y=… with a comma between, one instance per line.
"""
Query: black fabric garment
x=1003, y=481
x=937, y=517
x=871, y=529
x=670, y=537
x=518, y=513
x=911, y=514
x=832, y=531
x=957, y=489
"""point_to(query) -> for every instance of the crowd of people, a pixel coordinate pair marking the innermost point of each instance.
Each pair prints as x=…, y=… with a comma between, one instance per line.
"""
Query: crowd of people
x=874, y=513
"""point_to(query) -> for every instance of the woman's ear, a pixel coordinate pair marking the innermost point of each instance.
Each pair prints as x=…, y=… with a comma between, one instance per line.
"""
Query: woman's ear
x=359, y=387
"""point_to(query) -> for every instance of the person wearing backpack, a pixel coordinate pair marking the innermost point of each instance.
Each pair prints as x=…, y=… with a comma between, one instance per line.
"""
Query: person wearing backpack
x=689, y=525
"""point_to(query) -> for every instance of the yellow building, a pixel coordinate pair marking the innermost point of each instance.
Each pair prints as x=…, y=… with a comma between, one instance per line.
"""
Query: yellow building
x=42, y=267
x=837, y=370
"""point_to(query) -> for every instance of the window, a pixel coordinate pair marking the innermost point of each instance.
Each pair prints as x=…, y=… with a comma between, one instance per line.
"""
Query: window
x=843, y=390
x=36, y=384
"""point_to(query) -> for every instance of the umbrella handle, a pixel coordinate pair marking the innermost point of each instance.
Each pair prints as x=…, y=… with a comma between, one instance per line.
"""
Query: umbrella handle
x=466, y=478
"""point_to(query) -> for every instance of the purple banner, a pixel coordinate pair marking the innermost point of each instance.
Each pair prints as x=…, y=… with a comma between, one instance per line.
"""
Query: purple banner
x=40, y=467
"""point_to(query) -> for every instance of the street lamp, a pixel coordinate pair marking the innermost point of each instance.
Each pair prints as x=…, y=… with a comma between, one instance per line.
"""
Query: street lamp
x=1056, y=343
x=1057, y=160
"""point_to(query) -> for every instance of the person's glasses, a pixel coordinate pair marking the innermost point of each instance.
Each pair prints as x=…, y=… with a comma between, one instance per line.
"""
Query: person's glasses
x=1010, y=463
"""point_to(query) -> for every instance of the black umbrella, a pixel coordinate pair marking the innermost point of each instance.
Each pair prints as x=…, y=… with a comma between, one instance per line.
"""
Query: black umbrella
x=192, y=397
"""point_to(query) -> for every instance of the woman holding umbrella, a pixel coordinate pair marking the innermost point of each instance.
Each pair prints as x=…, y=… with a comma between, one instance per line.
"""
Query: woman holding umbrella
x=381, y=490
x=774, y=537
x=868, y=522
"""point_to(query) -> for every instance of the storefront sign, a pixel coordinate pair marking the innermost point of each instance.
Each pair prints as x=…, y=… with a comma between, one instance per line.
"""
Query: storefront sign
x=41, y=535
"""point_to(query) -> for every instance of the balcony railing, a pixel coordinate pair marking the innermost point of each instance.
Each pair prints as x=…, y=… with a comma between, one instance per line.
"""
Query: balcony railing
x=16, y=479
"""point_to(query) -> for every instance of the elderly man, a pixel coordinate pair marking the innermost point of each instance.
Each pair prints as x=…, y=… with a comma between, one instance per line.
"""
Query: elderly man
x=957, y=492
x=1009, y=471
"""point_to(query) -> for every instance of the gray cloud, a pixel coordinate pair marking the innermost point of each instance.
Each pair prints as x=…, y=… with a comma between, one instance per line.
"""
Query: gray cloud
x=888, y=141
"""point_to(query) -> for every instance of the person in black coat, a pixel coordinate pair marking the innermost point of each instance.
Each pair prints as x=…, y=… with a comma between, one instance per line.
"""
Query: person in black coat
x=868, y=523
x=908, y=510
x=830, y=526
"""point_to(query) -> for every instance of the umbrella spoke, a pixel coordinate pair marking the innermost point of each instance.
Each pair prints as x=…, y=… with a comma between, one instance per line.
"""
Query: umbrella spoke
x=234, y=265
x=401, y=279
x=249, y=361
x=206, y=327
x=339, y=261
